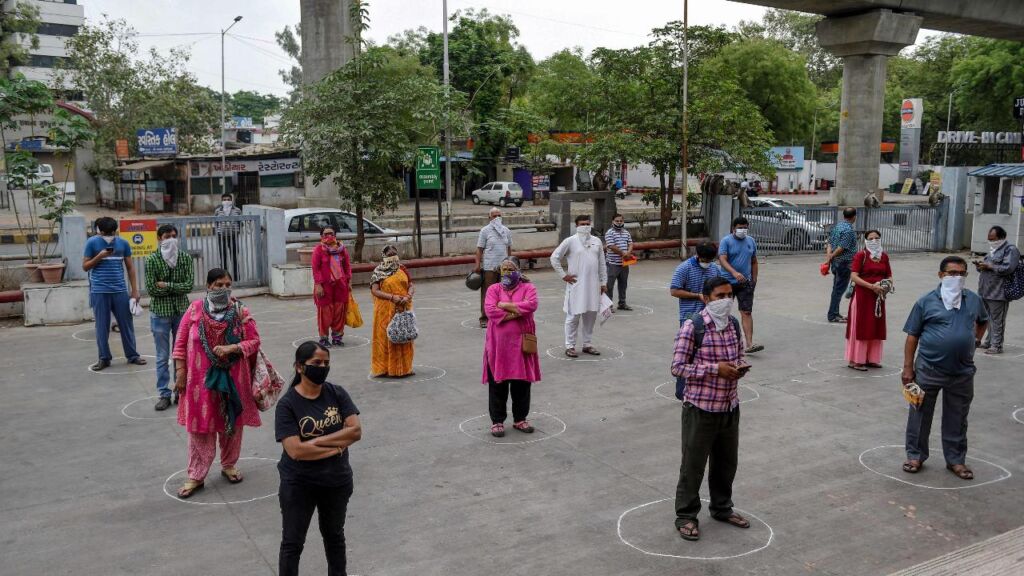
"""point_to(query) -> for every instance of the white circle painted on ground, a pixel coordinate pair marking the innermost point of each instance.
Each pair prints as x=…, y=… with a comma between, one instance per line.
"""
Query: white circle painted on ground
x=360, y=342
x=657, y=390
x=117, y=368
x=207, y=490
x=461, y=303
x=1004, y=355
x=638, y=310
x=474, y=323
x=81, y=335
x=484, y=434
x=677, y=542
x=167, y=414
x=558, y=353
x=433, y=374
x=259, y=317
x=843, y=371
x=808, y=319
x=1018, y=415
x=946, y=475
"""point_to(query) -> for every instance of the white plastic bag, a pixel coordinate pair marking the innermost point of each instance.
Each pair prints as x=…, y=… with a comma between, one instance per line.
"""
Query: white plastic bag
x=135, y=307
x=606, y=308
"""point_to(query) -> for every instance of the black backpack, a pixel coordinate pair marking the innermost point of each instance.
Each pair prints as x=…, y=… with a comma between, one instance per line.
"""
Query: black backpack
x=698, y=340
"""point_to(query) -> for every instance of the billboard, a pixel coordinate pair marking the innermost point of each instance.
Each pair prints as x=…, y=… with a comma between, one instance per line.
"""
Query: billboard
x=910, y=113
x=265, y=167
x=140, y=234
x=157, y=141
x=787, y=157
x=910, y=136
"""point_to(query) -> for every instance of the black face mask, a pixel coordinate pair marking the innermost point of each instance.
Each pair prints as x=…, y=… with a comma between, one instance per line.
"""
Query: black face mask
x=316, y=374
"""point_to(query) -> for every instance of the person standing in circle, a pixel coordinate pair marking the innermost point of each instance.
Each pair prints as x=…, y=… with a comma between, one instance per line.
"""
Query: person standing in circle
x=585, y=281
x=106, y=259
x=737, y=254
x=865, y=332
x=315, y=422
x=392, y=290
x=619, y=246
x=995, y=271
x=217, y=339
x=510, y=306
x=492, y=246
x=332, y=277
x=169, y=280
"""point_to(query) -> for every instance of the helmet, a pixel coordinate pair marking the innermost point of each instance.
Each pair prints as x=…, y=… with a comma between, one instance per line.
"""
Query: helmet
x=474, y=280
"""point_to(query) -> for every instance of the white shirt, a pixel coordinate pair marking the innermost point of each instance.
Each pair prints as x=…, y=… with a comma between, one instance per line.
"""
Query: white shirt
x=586, y=262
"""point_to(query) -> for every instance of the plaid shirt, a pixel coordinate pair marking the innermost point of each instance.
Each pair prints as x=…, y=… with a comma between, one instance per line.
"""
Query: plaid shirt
x=704, y=388
x=842, y=236
x=171, y=300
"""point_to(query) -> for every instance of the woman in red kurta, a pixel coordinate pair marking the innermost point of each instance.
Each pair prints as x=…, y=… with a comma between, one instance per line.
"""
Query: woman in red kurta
x=865, y=333
x=332, y=276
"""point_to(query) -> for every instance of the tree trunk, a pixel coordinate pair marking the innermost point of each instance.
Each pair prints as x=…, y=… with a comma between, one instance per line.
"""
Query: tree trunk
x=666, y=203
x=360, y=235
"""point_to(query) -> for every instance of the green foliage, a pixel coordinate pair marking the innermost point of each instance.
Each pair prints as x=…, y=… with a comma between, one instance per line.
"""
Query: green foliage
x=563, y=88
x=253, y=105
x=18, y=24
x=289, y=40
x=796, y=31
x=989, y=77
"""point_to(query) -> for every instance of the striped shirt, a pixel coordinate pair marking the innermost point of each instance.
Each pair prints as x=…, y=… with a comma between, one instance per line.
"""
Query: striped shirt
x=108, y=277
x=691, y=277
x=171, y=300
x=704, y=388
x=619, y=238
x=227, y=227
x=843, y=235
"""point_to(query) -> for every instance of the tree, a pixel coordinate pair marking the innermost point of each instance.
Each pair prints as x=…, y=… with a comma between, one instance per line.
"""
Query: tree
x=797, y=32
x=253, y=105
x=18, y=27
x=990, y=76
x=290, y=42
x=562, y=89
x=361, y=123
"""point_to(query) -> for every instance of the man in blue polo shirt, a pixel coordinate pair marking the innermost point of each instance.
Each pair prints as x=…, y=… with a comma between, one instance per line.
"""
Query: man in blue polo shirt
x=737, y=254
x=943, y=330
x=689, y=278
x=106, y=259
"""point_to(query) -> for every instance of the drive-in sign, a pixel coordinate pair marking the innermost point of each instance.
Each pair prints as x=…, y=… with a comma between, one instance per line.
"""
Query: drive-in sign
x=1018, y=107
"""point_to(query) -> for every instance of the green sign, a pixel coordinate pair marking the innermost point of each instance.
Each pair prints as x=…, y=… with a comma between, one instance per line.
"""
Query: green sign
x=428, y=168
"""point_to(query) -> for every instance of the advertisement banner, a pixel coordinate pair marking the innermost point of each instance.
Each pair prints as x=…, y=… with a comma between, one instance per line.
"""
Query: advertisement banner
x=910, y=136
x=157, y=141
x=140, y=235
x=910, y=113
x=121, y=151
x=787, y=157
x=264, y=167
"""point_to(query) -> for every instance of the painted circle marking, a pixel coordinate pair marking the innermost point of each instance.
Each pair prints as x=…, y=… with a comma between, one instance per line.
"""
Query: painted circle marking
x=92, y=331
x=1020, y=412
x=408, y=380
x=561, y=354
x=757, y=394
x=618, y=530
x=514, y=431
x=462, y=303
x=813, y=362
x=362, y=341
x=807, y=318
x=647, y=311
x=124, y=411
x=107, y=370
x=176, y=499
x=474, y=323
x=1007, y=473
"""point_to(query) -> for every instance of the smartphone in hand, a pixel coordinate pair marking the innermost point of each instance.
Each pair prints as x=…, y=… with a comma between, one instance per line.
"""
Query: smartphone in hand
x=743, y=367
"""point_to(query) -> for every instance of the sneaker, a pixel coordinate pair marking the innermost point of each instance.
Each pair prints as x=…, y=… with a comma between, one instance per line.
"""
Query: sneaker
x=994, y=351
x=523, y=426
x=497, y=430
x=336, y=340
x=325, y=342
x=163, y=404
x=625, y=307
x=753, y=349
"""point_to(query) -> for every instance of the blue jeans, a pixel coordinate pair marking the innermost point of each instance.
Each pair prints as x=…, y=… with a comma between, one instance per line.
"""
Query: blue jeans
x=164, y=331
x=841, y=281
x=102, y=306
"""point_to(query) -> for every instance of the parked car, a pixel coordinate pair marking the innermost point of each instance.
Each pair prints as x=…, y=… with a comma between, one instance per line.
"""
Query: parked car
x=500, y=193
x=304, y=224
x=44, y=175
x=780, y=222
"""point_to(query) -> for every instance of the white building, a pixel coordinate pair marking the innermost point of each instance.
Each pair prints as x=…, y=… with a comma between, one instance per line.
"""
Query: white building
x=59, y=20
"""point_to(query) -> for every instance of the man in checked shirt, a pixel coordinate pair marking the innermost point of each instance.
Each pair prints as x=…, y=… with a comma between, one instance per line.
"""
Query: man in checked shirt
x=711, y=412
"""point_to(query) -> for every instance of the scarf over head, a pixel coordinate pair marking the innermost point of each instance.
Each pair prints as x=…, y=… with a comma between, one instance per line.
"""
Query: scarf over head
x=335, y=251
x=386, y=268
x=213, y=333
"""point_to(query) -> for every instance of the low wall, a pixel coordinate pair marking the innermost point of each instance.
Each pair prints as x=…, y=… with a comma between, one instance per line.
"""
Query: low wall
x=57, y=304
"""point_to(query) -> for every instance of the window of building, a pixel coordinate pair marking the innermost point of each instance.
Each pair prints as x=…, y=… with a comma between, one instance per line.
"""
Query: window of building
x=41, y=61
x=49, y=29
x=996, y=196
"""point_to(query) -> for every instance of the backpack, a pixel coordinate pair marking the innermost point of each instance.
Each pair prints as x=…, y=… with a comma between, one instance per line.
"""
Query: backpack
x=698, y=340
x=1013, y=287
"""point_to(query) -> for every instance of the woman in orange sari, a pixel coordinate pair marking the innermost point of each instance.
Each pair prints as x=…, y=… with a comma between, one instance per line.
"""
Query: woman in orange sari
x=392, y=291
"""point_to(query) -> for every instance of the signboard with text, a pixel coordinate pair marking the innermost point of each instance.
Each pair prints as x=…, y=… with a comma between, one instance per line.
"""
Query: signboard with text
x=787, y=157
x=911, y=111
x=1018, y=108
x=428, y=168
x=157, y=141
x=140, y=235
x=264, y=167
x=121, y=151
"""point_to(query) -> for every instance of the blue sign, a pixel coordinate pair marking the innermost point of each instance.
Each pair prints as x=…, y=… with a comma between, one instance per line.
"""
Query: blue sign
x=31, y=144
x=787, y=157
x=157, y=141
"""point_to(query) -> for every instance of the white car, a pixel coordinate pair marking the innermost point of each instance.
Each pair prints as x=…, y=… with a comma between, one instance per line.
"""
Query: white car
x=500, y=193
x=304, y=225
x=44, y=175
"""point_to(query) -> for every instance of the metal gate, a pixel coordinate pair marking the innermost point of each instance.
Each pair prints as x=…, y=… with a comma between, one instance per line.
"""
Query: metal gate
x=234, y=243
x=805, y=229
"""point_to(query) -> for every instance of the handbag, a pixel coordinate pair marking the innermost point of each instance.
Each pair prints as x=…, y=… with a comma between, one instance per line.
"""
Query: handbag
x=353, y=318
x=529, y=344
x=267, y=383
x=402, y=328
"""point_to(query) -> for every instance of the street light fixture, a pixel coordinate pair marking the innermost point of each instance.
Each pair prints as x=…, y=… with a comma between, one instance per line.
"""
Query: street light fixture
x=949, y=115
x=223, y=137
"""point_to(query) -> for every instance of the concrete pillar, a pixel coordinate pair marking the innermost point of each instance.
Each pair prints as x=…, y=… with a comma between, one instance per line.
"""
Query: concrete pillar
x=72, y=246
x=864, y=42
x=325, y=27
x=274, y=235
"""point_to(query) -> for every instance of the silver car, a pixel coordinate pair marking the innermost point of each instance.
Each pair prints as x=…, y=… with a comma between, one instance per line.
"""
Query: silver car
x=304, y=225
x=780, y=223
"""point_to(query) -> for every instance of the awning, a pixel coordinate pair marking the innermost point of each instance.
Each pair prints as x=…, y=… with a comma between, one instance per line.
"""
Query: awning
x=146, y=164
x=1000, y=170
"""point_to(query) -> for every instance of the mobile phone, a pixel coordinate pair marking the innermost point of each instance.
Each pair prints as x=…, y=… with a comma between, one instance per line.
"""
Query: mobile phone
x=108, y=249
x=743, y=368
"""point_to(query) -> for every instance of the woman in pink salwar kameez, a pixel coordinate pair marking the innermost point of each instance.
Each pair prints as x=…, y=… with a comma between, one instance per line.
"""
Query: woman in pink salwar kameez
x=213, y=358
x=509, y=306
x=865, y=332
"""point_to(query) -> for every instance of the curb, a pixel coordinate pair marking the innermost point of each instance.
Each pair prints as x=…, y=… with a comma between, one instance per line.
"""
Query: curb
x=19, y=238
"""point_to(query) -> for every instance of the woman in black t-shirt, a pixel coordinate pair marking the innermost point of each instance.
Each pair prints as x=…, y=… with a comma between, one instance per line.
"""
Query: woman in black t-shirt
x=315, y=422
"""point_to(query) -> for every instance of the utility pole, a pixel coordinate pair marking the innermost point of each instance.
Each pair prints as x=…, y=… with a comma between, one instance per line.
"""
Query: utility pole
x=949, y=114
x=447, y=137
x=683, y=250
x=223, y=137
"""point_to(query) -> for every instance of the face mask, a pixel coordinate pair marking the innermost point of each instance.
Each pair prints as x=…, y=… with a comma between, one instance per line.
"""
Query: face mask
x=391, y=259
x=741, y=233
x=227, y=204
x=874, y=247
x=497, y=220
x=219, y=299
x=583, y=230
x=951, y=291
x=993, y=246
x=619, y=226
x=704, y=265
x=315, y=374
x=510, y=279
x=169, y=251
x=720, y=311
x=108, y=239
x=328, y=238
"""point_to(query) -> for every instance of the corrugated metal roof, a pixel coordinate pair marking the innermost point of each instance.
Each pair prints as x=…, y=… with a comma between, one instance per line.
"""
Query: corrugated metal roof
x=1000, y=170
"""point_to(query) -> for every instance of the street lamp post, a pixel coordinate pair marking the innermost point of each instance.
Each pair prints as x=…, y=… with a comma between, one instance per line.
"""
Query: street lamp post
x=223, y=136
x=447, y=137
x=949, y=115
x=684, y=253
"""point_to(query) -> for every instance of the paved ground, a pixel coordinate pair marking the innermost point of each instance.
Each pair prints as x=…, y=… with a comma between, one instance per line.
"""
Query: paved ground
x=85, y=463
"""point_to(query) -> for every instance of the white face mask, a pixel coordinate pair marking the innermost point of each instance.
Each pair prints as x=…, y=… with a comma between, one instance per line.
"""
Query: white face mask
x=108, y=239
x=741, y=233
x=874, y=247
x=993, y=246
x=720, y=310
x=583, y=231
x=497, y=220
x=169, y=251
x=952, y=290
x=227, y=204
x=704, y=265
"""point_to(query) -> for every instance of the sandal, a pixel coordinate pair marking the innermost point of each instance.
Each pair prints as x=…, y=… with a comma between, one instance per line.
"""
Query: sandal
x=591, y=350
x=497, y=430
x=734, y=519
x=571, y=353
x=873, y=365
x=523, y=426
x=234, y=475
x=689, y=531
x=324, y=342
x=912, y=466
x=858, y=367
x=962, y=472
x=189, y=488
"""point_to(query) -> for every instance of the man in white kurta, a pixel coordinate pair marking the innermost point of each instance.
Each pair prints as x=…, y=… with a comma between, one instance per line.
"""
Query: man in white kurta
x=585, y=282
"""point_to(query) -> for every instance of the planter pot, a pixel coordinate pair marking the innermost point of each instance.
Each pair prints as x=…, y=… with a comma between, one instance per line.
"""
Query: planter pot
x=305, y=255
x=34, y=274
x=52, y=273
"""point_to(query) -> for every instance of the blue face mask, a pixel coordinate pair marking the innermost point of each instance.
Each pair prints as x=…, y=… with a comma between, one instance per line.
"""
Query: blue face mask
x=510, y=280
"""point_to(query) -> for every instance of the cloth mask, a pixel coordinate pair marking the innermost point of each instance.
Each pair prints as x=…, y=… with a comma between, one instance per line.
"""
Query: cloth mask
x=497, y=220
x=227, y=204
x=993, y=246
x=619, y=226
x=720, y=310
x=391, y=259
x=741, y=233
x=952, y=291
x=704, y=265
x=108, y=239
x=169, y=251
x=328, y=239
x=511, y=279
x=874, y=248
x=583, y=231
x=219, y=299
x=316, y=374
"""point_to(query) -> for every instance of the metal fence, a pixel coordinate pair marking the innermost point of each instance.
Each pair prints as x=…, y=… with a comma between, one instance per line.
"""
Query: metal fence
x=805, y=229
x=234, y=243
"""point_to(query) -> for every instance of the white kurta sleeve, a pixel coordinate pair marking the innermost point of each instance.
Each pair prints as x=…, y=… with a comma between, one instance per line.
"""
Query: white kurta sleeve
x=602, y=269
x=557, y=255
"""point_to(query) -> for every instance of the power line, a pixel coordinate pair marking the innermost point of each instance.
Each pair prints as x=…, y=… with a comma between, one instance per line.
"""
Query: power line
x=568, y=23
x=263, y=50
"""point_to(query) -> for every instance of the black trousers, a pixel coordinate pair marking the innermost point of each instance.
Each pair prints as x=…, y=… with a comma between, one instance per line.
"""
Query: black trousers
x=711, y=439
x=620, y=274
x=498, y=393
x=229, y=250
x=490, y=277
x=297, y=504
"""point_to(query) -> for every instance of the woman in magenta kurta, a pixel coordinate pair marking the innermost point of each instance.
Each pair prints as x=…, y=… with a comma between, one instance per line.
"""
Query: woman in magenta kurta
x=213, y=357
x=865, y=332
x=332, y=276
x=509, y=306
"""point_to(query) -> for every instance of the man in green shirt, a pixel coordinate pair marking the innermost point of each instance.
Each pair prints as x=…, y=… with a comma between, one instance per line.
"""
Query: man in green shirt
x=169, y=279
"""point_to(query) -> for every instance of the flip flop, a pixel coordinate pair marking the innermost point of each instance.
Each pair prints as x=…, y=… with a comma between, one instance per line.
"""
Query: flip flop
x=571, y=353
x=962, y=472
x=692, y=533
x=189, y=488
x=734, y=519
x=910, y=468
x=234, y=475
x=858, y=367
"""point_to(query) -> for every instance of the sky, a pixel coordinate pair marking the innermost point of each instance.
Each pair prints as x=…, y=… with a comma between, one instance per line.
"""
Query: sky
x=252, y=58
